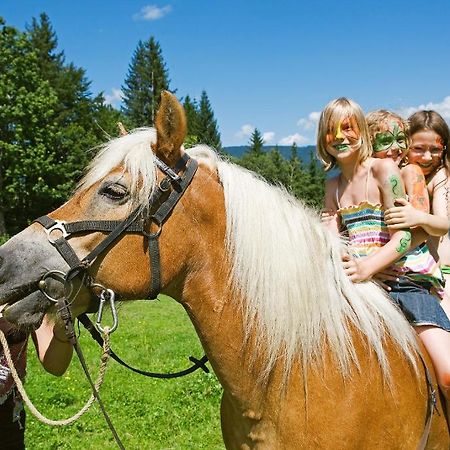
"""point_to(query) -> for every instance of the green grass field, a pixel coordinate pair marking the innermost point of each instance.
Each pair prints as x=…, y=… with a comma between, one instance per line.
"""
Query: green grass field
x=147, y=413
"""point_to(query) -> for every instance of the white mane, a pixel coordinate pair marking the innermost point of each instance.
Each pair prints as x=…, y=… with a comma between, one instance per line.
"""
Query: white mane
x=287, y=267
x=133, y=154
x=285, y=264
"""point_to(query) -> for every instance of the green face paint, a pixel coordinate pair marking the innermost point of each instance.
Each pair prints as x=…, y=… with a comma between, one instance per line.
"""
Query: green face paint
x=396, y=186
x=384, y=141
x=404, y=243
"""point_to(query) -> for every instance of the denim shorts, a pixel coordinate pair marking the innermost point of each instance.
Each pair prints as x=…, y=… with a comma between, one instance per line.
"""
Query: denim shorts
x=418, y=305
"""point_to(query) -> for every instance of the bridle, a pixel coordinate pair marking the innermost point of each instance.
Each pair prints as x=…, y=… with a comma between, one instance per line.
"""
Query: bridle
x=161, y=203
x=136, y=222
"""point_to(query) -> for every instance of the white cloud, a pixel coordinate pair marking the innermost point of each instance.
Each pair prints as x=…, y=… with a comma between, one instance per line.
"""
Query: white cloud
x=443, y=108
x=310, y=122
x=152, y=12
x=114, y=98
x=296, y=137
x=268, y=136
x=245, y=131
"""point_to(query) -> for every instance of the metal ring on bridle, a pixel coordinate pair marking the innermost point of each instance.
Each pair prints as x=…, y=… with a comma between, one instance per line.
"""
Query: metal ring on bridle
x=59, y=226
x=54, y=275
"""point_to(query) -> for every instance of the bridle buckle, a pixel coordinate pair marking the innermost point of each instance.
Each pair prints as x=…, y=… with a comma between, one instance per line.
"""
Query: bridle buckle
x=58, y=226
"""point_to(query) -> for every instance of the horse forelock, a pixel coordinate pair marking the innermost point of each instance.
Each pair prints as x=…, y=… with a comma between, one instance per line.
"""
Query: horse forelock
x=131, y=153
x=287, y=268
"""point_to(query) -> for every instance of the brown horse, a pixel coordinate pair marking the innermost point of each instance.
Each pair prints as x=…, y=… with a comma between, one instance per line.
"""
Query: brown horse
x=306, y=358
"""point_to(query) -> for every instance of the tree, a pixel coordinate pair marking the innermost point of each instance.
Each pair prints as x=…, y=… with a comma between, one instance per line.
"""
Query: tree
x=191, y=110
x=27, y=129
x=48, y=122
x=147, y=77
x=256, y=142
x=207, y=125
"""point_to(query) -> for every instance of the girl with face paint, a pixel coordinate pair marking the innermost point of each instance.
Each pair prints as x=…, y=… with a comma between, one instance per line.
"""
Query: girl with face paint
x=389, y=137
x=356, y=201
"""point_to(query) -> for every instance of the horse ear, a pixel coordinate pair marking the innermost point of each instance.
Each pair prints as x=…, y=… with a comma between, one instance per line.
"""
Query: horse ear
x=170, y=128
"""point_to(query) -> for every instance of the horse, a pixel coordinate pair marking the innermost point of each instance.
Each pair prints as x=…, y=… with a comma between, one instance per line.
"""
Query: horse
x=306, y=358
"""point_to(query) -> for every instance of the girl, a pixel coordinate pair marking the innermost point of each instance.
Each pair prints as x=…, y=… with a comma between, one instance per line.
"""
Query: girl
x=389, y=137
x=430, y=140
x=358, y=197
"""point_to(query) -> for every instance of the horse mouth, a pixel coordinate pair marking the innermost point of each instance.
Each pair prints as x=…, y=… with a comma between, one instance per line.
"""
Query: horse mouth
x=28, y=312
x=17, y=293
x=25, y=306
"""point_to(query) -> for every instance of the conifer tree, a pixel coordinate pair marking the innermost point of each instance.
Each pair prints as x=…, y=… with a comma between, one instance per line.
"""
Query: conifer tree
x=191, y=110
x=27, y=130
x=207, y=124
x=147, y=77
x=47, y=125
x=256, y=143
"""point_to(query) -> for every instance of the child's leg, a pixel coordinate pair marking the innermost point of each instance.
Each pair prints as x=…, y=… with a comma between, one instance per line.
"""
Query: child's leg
x=437, y=342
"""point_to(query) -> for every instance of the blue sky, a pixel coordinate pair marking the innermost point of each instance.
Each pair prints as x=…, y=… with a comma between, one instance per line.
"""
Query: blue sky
x=265, y=64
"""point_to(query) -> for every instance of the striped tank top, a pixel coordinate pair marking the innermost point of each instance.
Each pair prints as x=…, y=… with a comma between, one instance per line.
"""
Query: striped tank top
x=367, y=232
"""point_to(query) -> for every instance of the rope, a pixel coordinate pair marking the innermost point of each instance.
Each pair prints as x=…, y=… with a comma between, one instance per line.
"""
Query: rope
x=32, y=408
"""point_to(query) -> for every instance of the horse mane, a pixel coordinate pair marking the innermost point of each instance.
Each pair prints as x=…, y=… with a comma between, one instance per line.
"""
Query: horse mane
x=285, y=266
x=132, y=154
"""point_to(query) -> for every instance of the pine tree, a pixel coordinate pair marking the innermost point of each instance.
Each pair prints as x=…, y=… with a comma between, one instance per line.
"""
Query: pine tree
x=191, y=110
x=27, y=131
x=207, y=125
x=147, y=77
x=47, y=125
x=256, y=142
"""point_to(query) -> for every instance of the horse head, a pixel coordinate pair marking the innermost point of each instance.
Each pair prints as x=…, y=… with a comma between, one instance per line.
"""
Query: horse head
x=133, y=175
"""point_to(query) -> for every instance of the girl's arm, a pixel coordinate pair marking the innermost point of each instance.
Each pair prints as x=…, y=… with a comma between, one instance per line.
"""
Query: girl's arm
x=387, y=176
x=53, y=349
x=330, y=217
x=440, y=185
x=415, y=213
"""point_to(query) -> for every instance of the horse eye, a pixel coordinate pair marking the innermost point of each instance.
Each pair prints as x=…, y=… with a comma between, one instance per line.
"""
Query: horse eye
x=114, y=191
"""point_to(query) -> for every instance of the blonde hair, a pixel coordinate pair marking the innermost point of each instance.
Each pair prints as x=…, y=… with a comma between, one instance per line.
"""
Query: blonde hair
x=340, y=109
x=376, y=119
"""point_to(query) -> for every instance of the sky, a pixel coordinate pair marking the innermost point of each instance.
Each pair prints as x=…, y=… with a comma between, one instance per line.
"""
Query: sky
x=273, y=65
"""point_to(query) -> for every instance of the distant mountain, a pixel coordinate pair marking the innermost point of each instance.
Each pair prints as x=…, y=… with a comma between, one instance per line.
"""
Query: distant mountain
x=285, y=150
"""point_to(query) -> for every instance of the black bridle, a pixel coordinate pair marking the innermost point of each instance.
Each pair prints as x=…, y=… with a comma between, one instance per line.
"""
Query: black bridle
x=161, y=203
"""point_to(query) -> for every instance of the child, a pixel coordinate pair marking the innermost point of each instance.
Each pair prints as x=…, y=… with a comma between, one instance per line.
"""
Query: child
x=365, y=188
x=430, y=139
x=389, y=137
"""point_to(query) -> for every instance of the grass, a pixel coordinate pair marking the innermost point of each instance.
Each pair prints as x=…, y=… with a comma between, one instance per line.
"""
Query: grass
x=147, y=413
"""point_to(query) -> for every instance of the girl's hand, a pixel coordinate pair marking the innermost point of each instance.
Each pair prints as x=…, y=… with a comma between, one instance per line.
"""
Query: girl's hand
x=380, y=278
x=403, y=216
x=355, y=269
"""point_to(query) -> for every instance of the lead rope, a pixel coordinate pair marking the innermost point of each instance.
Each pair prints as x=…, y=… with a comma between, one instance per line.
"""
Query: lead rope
x=104, y=360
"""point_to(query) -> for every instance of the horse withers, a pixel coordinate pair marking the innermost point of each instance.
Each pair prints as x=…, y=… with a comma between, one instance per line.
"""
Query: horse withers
x=306, y=358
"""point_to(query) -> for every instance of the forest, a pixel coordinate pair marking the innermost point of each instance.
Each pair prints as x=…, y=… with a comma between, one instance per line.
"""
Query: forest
x=51, y=123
